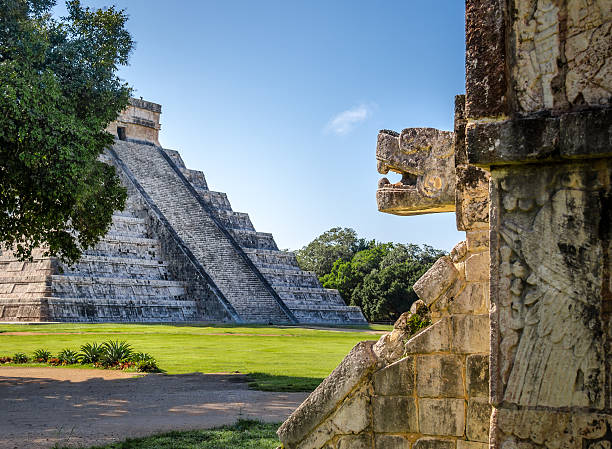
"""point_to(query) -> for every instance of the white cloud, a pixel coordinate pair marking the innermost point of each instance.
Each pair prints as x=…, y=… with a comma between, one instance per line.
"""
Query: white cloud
x=346, y=121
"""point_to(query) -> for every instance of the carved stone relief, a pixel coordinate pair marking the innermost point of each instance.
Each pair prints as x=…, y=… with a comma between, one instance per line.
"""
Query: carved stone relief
x=550, y=323
x=562, y=53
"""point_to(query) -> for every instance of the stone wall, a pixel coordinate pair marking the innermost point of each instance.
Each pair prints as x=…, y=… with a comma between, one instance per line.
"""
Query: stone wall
x=429, y=390
x=544, y=131
x=139, y=122
x=535, y=127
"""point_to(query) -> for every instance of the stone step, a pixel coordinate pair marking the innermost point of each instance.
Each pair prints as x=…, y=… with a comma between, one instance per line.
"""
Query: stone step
x=193, y=223
x=97, y=287
x=253, y=239
x=106, y=266
x=235, y=220
x=195, y=177
x=293, y=277
x=216, y=200
x=84, y=309
x=176, y=157
x=309, y=295
x=130, y=247
x=265, y=258
x=128, y=226
x=329, y=315
x=10, y=265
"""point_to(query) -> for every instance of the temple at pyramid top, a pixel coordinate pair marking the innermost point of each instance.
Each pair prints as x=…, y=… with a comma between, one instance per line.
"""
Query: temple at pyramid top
x=138, y=122
x=178, y=252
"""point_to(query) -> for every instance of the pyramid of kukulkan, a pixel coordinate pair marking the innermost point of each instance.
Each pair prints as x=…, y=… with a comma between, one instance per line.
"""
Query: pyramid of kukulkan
x=178, y=252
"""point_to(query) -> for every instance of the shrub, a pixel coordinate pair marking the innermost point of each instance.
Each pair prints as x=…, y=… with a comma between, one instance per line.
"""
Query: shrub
x=145, y=363
x=147, y=366
x=41, y=356
x=68, y=357
x=141, y=357
x=20, y=357
x=91, y=353
x=5, y=360
x=54, y=361
x=116, y=352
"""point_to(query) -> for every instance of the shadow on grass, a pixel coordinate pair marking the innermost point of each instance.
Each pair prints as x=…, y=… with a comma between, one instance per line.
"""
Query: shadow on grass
x=270, y=382
x=244, y=434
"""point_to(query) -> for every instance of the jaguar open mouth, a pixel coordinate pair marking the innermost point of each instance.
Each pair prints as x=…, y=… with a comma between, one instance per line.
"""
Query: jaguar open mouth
x=424, y=158
x=408, y=181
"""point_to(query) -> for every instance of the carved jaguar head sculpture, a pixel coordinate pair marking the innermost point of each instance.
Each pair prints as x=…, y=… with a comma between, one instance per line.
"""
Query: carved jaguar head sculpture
x=425, y=157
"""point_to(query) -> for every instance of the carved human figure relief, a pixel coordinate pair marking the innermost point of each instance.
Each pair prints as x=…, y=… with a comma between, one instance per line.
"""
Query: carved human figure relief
x=551, y=345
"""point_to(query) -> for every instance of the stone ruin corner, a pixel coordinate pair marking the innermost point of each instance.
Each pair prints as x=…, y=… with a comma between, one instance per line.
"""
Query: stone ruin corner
x=519, y=355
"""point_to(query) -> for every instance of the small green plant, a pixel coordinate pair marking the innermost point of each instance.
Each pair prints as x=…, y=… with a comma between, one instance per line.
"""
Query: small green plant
x=20, y=357
x=417, y=322
x=116, y=352
x=141, y=357
x=41, y=356
x=148, y=366
x=145, y=363
x=91, y=353
x=68, y=357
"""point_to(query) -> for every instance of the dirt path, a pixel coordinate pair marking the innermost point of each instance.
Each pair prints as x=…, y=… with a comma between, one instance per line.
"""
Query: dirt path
x=41, y=407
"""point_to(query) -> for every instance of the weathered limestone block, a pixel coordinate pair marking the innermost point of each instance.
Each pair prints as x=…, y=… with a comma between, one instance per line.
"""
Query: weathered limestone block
x=392, y=442
x=394, y=414
x=470, y=334
x=436, y=281
x=478, y=417
x=478, y=240
x=355, y=442
x=442, y=417
x=485, y=57
x=472, y=299
x=396, y=379
x=351, y=372
x=477, y=267
x=463, y=444
x=477, y=374
x=436, y=337
x=439, y=375
x=353, y=416
x=425, y=159
x=434, y=443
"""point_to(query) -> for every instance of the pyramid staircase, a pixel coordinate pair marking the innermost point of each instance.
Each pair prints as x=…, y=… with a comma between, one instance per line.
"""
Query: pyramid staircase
x=300, y=290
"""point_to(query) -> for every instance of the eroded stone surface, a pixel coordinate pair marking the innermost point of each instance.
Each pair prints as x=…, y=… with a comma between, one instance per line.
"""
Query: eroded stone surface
x=425, y=159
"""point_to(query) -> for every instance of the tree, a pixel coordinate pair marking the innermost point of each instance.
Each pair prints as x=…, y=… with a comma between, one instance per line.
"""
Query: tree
x=379, y=279
x=387, y=293
x=336, y=244
x=58, y=92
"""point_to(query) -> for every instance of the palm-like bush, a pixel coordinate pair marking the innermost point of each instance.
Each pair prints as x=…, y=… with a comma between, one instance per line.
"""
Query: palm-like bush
x=68, y=357
x=141, y=357
x=145, y=362
x=20, y=357
x=92, y=353
x=42, y=355
x=116, y=352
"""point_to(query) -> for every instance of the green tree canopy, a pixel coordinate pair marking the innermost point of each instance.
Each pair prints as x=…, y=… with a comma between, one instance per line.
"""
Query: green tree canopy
x=58, y=92
x=336, y=244
x=379, y=277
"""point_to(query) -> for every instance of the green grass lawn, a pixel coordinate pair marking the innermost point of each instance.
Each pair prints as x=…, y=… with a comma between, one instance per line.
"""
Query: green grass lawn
x=277, y=358
x=244, y=435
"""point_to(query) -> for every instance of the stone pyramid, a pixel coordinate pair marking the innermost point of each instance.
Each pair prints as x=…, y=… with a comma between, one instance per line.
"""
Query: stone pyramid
x=178, y=252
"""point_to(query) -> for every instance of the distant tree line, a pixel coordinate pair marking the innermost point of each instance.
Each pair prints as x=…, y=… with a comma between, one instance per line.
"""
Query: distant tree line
x=377, y=277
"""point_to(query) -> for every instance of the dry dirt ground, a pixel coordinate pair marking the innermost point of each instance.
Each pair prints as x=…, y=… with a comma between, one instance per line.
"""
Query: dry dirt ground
x=41, y=407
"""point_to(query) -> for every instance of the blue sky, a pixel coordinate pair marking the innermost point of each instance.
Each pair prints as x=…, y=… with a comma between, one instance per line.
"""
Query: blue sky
x=279, y=102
